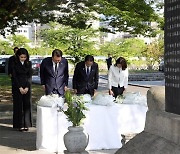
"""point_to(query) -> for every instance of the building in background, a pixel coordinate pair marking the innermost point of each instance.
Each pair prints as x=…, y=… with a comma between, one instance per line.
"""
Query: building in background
x=29, y=31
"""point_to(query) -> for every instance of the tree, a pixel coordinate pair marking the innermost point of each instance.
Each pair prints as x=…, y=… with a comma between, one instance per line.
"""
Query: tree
x=40, y=51
x=19, y=41
x=111, y=48
x=132, y=47
x=5, y=48
x=154, y=52
x=74, y=41
x=14, y=13
x=124, y=47
x=130, y=16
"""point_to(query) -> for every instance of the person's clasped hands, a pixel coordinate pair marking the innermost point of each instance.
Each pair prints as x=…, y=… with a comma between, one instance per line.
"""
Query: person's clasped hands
x=111, y=92
x=23, y=90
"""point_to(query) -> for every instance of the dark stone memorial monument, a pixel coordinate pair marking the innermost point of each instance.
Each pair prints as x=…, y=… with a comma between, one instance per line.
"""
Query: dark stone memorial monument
x=162, y=129
x=172, y=56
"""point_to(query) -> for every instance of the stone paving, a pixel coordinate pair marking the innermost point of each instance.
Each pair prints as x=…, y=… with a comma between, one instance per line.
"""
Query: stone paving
x=147, y=84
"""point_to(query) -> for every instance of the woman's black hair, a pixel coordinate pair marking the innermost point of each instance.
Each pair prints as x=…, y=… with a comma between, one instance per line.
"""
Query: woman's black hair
x=121, y=61
x=23, y=51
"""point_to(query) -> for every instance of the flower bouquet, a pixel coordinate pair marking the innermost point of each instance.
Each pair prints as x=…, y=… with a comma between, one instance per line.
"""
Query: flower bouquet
x=75, y=140
x=74, y=108
x=51, y=101
x=119, y=99
x=103, y=99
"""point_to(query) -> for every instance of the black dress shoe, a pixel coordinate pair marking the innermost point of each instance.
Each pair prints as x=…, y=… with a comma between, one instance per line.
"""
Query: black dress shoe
x=26, y=129
x=21, y=129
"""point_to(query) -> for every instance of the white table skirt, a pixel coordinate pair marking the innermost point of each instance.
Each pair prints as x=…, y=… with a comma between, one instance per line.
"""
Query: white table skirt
x=104, y=124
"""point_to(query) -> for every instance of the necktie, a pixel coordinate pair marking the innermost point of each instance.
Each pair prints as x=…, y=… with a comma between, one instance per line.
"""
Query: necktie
x=88, y=71
x=56, y=68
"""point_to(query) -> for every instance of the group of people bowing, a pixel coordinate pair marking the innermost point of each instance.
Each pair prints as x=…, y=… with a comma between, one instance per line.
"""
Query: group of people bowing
x=54, y=76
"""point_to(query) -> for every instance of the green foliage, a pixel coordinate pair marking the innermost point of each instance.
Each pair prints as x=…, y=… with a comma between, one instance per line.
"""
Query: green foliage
x=5, y=48
x=74, y=41
x=154, y=52
x=129, y=16
x=16, y=40
x=19, y=41
x=40, y=51
x=5, y=81
x=14, y=13
x=124, y=47
x=75, y=109
x=132, y=47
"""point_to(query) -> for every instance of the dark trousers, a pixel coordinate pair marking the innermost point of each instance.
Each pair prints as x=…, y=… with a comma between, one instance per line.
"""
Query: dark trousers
x=86, y=91
x=12, y=86
x=89, y=91
x=117, y=91
x=22, y=109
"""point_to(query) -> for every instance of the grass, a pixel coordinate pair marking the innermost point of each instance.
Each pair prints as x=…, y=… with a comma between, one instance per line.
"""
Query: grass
x=5, y=81
x=37, y=92
x=5, y=89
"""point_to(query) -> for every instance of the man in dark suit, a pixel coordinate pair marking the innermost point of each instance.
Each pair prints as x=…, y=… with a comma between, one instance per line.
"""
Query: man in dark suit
x=86, y=76
x=11, y=63
x=109, y=61
x=54, y=73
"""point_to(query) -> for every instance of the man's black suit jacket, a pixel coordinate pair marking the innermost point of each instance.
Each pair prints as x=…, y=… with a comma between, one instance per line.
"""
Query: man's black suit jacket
x=11, y=64
x=82, y=82
x=53, y=80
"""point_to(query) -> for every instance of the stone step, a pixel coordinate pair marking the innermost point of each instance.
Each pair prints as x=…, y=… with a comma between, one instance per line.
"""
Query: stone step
x=146, y=77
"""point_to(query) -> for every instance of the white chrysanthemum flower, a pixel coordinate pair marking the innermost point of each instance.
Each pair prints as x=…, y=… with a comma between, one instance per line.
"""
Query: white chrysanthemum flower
x=51, y=101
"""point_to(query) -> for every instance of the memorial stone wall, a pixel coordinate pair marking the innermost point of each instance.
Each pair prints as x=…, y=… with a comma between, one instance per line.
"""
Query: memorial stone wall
x=172, y=56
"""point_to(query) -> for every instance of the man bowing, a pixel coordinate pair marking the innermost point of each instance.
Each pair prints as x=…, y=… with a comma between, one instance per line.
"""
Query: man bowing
x=86, y=76
x=54, y=73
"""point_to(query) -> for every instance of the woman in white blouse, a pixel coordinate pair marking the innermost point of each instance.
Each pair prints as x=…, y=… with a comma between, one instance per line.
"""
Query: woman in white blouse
x=118, y=77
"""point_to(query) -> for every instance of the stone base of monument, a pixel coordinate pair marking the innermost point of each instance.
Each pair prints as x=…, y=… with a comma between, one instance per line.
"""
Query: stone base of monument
x=162, y=130
x=161, y=136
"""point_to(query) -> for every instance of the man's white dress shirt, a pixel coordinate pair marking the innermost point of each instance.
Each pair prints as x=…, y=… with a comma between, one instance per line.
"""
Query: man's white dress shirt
x=87, y=69
x=54, y=65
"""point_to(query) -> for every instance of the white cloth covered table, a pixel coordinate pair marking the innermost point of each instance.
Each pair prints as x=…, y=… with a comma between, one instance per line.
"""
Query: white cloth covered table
x=104, y=124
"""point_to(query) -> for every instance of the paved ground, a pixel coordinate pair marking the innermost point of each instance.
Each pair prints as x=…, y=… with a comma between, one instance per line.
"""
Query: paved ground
x=15, y=142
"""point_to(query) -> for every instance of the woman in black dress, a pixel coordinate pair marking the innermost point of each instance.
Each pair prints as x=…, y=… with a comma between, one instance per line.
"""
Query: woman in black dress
x=22, y=73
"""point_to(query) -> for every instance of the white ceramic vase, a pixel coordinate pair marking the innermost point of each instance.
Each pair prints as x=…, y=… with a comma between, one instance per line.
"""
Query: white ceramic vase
x=76, y=140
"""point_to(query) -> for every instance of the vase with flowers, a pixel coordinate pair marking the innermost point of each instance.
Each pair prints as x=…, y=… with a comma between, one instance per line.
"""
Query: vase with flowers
x=75, y=139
